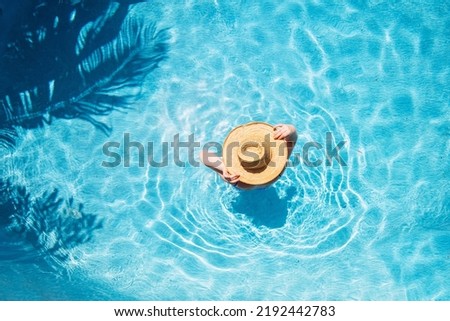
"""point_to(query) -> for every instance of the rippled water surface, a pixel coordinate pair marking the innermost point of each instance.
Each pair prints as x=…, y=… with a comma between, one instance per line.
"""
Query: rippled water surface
x=373, y=73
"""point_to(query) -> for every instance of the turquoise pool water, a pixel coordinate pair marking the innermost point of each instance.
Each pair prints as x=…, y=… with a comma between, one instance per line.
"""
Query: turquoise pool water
x=373, y=73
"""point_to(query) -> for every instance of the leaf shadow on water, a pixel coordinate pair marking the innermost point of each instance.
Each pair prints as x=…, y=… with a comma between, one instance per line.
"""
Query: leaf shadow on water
x=73, y=60
x=38, y=236
x=264, y=207
x=64, y=59
x=47, y=227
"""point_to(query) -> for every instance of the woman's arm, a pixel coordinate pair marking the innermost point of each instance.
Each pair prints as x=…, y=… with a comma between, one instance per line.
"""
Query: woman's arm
x=215, y=162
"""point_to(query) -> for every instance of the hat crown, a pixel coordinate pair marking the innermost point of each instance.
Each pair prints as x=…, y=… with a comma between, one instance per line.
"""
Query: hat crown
x=253, y=154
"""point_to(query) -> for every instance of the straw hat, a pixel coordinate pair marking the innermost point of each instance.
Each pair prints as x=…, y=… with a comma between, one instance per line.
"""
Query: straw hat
x=251, y=151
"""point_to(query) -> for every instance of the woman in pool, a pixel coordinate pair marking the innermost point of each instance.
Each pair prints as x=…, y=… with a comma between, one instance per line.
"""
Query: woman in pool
x=254, y=155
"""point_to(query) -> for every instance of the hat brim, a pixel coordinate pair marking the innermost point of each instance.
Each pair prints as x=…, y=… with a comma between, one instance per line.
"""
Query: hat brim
x=256, y=177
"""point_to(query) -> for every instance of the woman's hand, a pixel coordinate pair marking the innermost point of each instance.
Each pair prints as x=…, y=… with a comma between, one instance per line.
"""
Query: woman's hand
x=283, y=131
x=230, y=177
x=288, y=133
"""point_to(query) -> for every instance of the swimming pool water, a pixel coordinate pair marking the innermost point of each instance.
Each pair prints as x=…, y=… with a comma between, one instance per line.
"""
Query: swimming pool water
x=373, y=73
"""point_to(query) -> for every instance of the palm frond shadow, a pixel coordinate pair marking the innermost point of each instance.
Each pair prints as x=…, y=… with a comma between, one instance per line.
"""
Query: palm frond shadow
x=49, y=224
x=75, y=61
